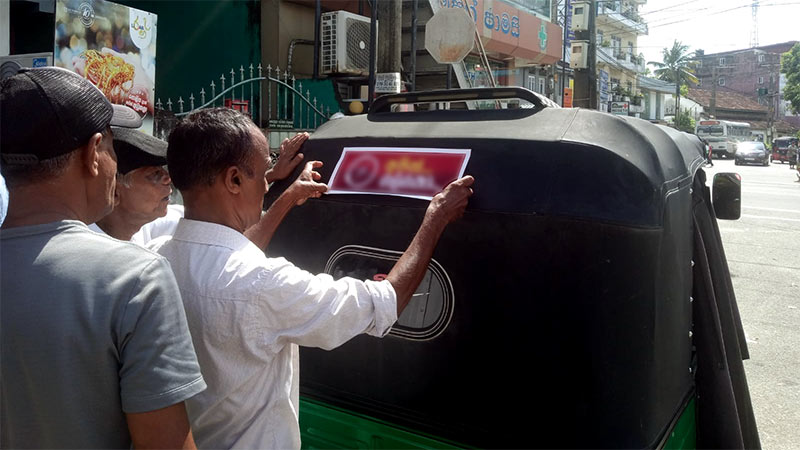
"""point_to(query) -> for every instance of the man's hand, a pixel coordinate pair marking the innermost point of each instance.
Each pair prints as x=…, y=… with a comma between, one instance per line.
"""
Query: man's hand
x=288, y=158
x=448, y=205
x=306, y=185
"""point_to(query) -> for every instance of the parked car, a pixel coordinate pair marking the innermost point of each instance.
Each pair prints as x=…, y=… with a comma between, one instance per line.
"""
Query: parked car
x=780, y=148
x=752, y=153
x=583, y=300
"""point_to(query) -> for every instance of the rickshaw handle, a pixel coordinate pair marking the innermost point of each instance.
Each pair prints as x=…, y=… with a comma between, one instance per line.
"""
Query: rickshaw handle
x=384, y=103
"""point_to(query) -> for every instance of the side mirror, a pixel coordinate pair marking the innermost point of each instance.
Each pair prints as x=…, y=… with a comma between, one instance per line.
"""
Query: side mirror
x=726, y=195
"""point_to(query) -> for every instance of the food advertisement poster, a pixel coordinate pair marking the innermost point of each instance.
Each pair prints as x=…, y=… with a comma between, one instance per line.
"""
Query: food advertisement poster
x=405, y=172
x=114, y=47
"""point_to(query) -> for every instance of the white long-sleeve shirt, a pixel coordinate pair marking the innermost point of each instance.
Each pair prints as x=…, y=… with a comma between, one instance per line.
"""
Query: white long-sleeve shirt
x=163, y=226
x=247, y=315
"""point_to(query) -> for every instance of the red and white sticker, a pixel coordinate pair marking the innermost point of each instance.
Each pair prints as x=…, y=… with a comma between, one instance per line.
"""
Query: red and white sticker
x=405, y=172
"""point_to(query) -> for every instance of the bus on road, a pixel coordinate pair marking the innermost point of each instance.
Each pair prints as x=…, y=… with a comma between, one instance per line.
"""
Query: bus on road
x=723, y=135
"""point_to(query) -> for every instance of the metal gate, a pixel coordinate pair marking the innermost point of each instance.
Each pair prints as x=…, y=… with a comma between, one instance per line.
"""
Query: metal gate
x=287, y=107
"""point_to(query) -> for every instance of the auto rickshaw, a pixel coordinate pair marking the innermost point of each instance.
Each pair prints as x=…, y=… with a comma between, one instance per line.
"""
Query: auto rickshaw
x=781, y=148
x=583, y=300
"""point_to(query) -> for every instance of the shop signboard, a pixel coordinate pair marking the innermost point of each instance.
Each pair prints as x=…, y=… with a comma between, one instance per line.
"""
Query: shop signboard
x=509, y=30
x=114, y=47
x=567, y=97
x=602, y=81
x=620, y=108
x=387, y=83
x=570, y=32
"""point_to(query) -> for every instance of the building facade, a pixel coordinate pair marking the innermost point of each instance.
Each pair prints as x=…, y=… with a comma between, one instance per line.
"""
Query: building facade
x=619, y=62
x=753, y=72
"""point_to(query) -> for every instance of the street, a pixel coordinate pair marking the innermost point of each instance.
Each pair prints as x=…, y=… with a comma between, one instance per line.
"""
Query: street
x=763, y=250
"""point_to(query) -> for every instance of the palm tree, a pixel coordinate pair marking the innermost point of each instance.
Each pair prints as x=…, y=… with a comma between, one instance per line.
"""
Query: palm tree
x=677, y=67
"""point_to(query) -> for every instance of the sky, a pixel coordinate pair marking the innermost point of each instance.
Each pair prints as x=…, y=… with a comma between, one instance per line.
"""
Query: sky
x=716, y=25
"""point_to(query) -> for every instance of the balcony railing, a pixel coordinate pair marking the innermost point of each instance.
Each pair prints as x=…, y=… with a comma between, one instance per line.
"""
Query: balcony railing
x=627, y=17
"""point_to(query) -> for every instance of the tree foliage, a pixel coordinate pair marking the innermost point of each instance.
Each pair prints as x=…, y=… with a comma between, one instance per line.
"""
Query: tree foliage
x=790, y=65
x=684, y=121
x=677, y=67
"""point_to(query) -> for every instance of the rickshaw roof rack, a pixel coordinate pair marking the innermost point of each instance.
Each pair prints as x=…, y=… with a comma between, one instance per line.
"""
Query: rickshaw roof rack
x=529, y=100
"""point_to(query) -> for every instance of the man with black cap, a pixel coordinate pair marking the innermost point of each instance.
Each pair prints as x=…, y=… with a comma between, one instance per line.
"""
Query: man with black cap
x=143, y=186
x=142, y=211
x=95, y=348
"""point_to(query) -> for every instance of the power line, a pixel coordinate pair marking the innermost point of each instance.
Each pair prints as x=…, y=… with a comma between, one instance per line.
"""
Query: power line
x=722, y=12
x=668, y=7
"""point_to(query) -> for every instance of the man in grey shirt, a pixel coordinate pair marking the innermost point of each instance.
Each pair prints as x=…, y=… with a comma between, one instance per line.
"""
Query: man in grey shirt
x=96, y=352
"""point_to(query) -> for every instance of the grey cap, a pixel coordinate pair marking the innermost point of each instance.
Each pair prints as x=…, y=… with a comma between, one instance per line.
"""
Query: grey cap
x=137, y=149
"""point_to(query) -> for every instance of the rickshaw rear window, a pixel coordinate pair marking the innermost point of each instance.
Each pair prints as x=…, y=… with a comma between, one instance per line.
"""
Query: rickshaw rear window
x=431, y=306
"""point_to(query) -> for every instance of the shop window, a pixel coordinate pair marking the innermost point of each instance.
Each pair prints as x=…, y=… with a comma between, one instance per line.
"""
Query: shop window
x=531, y=83
x=431, y=307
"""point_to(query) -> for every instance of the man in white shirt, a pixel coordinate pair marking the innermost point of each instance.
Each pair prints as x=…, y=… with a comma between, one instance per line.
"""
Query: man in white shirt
x=248, y=313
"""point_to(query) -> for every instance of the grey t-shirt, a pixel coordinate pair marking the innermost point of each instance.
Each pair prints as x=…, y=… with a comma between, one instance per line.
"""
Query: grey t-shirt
x=91, y=328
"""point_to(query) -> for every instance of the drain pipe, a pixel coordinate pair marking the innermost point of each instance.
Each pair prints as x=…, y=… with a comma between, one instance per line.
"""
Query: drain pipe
x=291, y=51
x=317, y=25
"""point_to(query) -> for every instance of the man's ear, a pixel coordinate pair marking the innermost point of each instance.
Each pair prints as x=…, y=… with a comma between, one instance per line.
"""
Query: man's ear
x=232, y=178
x=91, y=154
x=117, y=193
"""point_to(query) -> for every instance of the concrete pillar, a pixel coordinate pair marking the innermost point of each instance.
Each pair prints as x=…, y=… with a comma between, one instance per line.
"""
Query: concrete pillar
x=5, y=26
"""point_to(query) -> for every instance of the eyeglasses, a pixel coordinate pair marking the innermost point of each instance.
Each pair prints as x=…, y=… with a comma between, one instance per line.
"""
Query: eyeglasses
x=157, y=175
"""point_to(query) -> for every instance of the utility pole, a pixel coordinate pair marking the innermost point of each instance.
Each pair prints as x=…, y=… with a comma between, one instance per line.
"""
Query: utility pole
x=414, y=10
x=389, y=35
x=373, y=49
x=713, y=103
x=563, y=78
x=586, y=79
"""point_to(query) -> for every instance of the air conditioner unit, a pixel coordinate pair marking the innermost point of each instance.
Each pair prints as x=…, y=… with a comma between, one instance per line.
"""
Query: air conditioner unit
x=579, y=55
x=345, y=41
x=10, y=65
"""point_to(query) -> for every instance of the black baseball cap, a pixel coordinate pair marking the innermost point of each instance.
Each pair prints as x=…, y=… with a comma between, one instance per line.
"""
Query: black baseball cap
x=136, y=149
x=49, y=111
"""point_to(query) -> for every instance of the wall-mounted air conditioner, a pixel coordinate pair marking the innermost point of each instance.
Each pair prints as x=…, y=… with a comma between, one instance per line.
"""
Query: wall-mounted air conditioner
x=579, y=55
x=10, y=65
x=344, y=43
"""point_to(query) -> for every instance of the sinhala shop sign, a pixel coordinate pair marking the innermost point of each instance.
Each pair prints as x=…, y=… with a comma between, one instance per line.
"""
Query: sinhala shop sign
x=511, y=31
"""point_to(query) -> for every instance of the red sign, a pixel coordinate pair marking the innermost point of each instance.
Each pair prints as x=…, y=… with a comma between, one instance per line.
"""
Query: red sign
x=567, y=97
x=406, y=172
x=243, y=106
